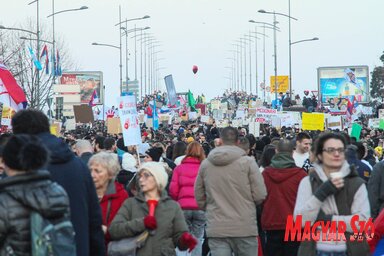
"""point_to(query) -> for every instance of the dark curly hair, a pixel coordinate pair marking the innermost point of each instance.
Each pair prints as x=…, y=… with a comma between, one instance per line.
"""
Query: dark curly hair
x=30, y=121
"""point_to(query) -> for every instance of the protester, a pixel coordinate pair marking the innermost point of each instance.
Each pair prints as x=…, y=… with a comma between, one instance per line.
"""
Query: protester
x=168, y=221
x=128, y=171
x=73, y=175
x=104, y=167
x=376, y=189
x=303, y=145
x=282, y=179
x=84, y=150
x=324, y=196
x=178, y=153
x=181, y=190
x=266, y=157
x=229, y=185
x=27, y=188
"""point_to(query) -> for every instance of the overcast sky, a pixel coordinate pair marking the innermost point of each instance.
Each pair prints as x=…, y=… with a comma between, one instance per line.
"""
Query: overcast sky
x=200, y=32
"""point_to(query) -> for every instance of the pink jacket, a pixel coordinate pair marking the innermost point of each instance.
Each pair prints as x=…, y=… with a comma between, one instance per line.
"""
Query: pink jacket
x=182, y=185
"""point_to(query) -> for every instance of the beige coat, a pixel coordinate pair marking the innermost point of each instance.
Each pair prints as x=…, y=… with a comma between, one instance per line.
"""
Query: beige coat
x=228, y=187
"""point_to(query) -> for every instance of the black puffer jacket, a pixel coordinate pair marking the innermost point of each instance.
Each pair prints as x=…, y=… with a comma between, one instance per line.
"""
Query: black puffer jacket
x=18, y=196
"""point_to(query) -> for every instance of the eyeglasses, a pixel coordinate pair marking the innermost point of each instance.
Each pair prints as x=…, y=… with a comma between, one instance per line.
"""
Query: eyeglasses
x=334, y=150
x=145, y=175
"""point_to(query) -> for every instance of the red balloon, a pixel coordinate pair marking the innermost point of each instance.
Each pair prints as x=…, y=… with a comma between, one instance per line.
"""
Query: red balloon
x=195, y=69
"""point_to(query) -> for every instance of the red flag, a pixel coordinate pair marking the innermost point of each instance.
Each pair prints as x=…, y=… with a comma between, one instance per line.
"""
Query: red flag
x=11, y=93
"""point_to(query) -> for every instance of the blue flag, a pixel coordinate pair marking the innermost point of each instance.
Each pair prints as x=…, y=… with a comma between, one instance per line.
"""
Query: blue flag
x=36, y=62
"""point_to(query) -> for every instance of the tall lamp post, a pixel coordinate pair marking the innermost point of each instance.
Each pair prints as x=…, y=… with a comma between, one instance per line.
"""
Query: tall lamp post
x=127, y=31
x=120, y=66
x=53, y=14
x=269, y=26
x=289, y=40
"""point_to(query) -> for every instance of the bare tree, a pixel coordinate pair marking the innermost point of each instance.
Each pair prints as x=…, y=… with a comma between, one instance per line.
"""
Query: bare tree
x=14, y=53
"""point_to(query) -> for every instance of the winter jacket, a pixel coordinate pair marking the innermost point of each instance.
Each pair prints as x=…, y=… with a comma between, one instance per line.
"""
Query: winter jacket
x=74, y=176
x=129, y=222
x=363, y=169
x=182, y=185
x=379, y=233
x=308, y=206
x=282, y=180
x=228, y=187
x=376, y=189
x=113, y=199
x=21, y=194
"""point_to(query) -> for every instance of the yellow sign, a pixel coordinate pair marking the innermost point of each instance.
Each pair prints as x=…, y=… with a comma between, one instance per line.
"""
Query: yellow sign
x=313, y=121
x=55, y=129
x=282, y=83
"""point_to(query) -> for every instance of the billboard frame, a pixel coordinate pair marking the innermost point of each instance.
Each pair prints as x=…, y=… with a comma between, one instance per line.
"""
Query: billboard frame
x=319, y=69
x=102, y=87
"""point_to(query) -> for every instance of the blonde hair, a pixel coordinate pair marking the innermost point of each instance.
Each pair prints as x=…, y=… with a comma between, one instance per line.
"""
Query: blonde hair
x=109, y=161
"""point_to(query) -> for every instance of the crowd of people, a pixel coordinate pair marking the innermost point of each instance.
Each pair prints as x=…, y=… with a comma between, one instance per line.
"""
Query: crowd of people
x=191, y=187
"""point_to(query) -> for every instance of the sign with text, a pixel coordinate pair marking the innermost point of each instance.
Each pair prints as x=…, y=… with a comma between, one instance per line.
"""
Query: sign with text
x=282, y=84
x=254, y=128
x=264, y=115
x=129, y=120
x=334, y=123
x=313, y=121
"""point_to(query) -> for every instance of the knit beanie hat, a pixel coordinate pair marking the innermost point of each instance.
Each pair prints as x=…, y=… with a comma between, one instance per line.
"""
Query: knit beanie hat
x=128, y=162
x=158, y=172
x=155, y=153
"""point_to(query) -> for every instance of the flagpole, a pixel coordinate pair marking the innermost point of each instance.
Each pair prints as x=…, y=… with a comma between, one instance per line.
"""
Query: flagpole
x=38, y=53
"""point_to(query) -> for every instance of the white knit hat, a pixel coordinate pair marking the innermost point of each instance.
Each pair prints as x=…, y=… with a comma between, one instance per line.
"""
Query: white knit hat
x=128, y=162
x=158, y=171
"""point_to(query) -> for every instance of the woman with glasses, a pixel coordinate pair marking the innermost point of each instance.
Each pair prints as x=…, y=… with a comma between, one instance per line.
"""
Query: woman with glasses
x=332, y=192
x=167, y=224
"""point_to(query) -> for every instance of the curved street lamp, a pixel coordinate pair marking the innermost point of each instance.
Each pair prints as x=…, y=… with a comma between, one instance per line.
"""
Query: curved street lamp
x=305, y=40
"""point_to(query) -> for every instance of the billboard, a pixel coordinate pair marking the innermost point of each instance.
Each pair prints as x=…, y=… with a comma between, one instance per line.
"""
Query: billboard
x=88, y=81
x=344, y=81
x=282, y=83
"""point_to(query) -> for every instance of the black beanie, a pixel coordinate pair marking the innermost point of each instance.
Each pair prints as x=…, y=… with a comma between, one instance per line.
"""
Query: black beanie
x=154, y=153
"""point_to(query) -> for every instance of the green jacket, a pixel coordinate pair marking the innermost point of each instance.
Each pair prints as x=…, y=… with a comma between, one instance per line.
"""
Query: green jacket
x=171, y=224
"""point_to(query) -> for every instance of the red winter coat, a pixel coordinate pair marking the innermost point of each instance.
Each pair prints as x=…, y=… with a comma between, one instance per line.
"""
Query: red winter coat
x=282, y=185
x=182, y=185
x=379, y=231
x=117, y=195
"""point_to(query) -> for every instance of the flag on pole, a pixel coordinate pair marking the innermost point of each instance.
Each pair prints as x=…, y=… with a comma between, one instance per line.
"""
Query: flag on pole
x=11, y=93
x=34, y=58
x=191, y=101
x=94, y=99
x=58, y=65
x=45, y=53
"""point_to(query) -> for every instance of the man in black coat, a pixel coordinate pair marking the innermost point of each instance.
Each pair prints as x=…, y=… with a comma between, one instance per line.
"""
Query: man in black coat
x=74, y=176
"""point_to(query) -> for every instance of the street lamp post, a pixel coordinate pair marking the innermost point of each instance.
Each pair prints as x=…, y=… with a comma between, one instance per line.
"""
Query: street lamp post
x=289, y=40
x=120, y=66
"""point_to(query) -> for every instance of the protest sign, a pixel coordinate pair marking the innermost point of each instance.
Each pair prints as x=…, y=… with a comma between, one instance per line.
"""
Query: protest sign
x=114, y=125
x=289, y=119
x=381, y=125
x=83, y=114
x=254, y=128
x=374, y=123
x=215, y=104
x=55, y=129
x=313, y=121
x=204, y=119
x=70, y=124
x=334, y=123
x=381, y=113
x=172, y=96
x=356, y=131
x=264, y=115
x=276, y=122
x=129, y=120
x=240, y=113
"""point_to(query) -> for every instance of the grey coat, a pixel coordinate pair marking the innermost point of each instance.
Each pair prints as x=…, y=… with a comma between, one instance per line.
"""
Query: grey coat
x=171, y=224
x=18, y=196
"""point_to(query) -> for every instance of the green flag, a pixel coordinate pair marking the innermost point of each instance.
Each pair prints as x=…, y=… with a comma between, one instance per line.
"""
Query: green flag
x=191, y=101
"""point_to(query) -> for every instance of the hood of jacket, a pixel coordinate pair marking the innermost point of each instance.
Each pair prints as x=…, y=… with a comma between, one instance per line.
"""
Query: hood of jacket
x=114, y=190
x=190, y=160
x=279, y=175
x=58, y=149
x=283, y=160
x=36, y=191
x=224, y=155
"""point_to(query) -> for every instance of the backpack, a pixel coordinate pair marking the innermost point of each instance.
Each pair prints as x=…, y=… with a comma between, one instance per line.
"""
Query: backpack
x=52, y=237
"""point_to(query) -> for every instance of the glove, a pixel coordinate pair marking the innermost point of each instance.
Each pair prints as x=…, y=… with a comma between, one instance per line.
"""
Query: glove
x=326, y=189
x=323, y=217
x=187, y=241
x=150, y=222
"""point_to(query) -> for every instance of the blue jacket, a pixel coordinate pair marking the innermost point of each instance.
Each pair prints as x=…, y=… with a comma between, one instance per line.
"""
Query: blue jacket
x=74, y=176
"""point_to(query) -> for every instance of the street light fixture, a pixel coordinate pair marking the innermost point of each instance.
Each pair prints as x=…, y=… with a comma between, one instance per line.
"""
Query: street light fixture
x=120, y=66
x=18, y=29
x=35, y=39
x=289, y=41
x=305, y=40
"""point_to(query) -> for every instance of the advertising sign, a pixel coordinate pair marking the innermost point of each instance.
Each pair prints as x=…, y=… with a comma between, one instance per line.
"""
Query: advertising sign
x=88, y=81
x=129, y=120
x=282, y=83
x=347, y=82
